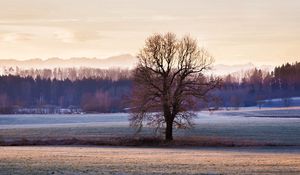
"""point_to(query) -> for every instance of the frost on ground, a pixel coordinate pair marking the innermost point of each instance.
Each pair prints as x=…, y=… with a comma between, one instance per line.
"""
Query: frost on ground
x=221, y=125
x=243, y=125
x=120, y=160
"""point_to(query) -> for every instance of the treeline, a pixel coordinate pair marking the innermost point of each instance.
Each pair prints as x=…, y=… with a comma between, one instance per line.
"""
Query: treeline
x=97, y=90
x=69, y=73
x=101, y=94
x=256, y=85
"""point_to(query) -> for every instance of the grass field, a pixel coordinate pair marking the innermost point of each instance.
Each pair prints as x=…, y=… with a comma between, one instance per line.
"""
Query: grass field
x=228, y=133
x=126, y=160
x=243, y=126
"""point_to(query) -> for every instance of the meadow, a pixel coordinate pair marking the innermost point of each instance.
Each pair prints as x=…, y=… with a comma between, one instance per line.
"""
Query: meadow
x=279, y=126
x=128, y=160
x=247, y=141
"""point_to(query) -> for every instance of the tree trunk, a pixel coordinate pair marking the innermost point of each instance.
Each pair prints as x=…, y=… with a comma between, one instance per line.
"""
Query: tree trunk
x=169, y=131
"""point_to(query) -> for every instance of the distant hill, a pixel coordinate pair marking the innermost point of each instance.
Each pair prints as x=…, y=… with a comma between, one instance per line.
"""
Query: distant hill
x=222, y=69
x=121, y=61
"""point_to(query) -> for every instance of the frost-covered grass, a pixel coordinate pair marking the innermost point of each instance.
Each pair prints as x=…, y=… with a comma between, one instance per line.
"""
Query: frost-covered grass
x=38, y=120
x=126, y=160
x=246, y=125
x=283, y=112
x=266, y=126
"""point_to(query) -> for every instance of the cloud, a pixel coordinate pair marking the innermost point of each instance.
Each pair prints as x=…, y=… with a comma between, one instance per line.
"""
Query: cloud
x=48, y=33
x=16, y=37
x=36, y=33
x=64, y=36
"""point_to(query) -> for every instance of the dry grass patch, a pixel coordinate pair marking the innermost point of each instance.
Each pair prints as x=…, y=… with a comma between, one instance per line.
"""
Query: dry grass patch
x=120, y=160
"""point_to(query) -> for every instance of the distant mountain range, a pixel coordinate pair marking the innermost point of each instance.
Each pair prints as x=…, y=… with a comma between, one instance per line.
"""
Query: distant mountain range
x=121, y=61
x=222, y=69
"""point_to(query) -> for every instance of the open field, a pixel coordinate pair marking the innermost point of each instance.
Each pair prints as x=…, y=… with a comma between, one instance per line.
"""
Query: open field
x=126, y=160
x=246, y=127
x=243, y=126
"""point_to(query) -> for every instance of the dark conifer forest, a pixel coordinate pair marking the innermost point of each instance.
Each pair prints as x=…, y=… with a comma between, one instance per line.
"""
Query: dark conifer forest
x=97, y=90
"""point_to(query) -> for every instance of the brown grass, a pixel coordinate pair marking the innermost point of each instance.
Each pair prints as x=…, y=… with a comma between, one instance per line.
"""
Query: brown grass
x=128, y=160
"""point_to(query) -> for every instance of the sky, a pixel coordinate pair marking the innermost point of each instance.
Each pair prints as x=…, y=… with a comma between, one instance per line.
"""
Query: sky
x=233, y=31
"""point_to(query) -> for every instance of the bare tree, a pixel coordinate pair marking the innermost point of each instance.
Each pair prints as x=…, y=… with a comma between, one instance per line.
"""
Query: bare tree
x=169, y=80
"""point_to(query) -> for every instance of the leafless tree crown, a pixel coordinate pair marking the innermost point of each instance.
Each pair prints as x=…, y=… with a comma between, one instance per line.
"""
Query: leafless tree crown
x=168, y=80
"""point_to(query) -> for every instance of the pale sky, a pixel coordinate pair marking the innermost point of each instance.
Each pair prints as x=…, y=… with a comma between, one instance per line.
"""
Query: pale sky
x=233, y=31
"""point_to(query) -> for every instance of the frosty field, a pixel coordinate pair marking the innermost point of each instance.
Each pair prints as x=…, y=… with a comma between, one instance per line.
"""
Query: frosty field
x=267, y=126
x=274, y=133
x=126, y=160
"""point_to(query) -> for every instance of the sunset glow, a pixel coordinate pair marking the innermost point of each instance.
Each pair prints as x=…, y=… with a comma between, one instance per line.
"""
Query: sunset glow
x=234, y=31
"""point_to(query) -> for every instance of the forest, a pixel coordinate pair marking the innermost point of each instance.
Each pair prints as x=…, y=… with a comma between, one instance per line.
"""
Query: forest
x=99, y=90
x=256, y=85
x=101, y=93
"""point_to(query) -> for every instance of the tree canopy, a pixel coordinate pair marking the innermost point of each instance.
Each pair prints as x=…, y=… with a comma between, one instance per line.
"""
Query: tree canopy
x=169, y=80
